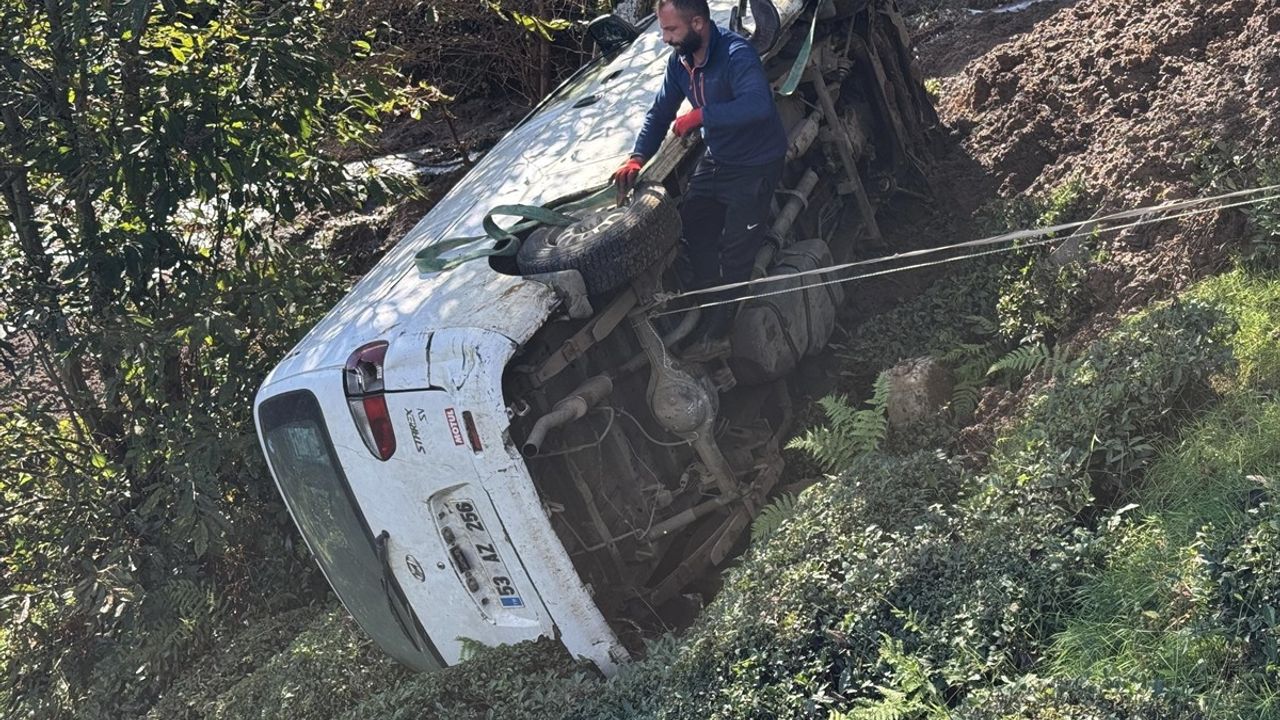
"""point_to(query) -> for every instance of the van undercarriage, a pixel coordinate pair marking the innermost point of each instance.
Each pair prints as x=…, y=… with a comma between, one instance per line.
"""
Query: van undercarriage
x=650, y=465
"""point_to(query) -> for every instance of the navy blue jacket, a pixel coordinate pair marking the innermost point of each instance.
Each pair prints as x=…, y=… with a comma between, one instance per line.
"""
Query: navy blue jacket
x=740, y=123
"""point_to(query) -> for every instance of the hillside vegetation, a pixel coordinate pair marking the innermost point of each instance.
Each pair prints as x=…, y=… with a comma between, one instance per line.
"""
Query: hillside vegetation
x=1115, y=556
x=1090, y=529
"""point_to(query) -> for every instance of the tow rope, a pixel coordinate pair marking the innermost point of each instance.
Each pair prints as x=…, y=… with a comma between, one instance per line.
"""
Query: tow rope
x=1017, y=240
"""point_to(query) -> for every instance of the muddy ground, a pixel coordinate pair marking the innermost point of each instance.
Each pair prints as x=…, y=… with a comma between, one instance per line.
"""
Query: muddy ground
x=1130, y=98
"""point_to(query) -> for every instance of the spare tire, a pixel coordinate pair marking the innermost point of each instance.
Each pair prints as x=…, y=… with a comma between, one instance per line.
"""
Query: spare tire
x=608, y=246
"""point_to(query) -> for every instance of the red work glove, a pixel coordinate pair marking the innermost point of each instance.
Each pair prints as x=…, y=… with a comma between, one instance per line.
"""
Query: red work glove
x=687, y=122
x=625, y=176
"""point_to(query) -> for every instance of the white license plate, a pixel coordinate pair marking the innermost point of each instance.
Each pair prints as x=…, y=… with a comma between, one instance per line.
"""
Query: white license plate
x=476, y=558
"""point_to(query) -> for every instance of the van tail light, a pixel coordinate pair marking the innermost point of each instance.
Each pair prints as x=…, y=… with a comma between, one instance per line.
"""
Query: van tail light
x=363, y=382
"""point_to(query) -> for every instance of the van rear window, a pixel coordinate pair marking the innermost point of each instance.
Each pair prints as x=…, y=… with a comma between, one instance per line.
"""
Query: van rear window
x=306, y=468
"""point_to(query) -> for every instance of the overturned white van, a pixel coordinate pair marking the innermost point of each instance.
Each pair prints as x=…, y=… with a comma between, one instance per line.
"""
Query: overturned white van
x=513, y=447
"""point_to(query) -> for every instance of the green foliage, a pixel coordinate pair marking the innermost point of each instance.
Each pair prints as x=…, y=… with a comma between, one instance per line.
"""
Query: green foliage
x=953, y=310
x=970, y=363
x=529, y=681
x=543, y=28
x=149, y=550
x=1220, y=167
x=1141, y=618
x=1252, y=299
x=155, y=151
x=328, y=667
x=1039, y=299
x=1061, y=205
x=315, y=664
x=975, y=364
x=912, y=695
x=953, y=320
x=1182, y=598
x=850, y=433
x=238, y=652
x=495, y=51
x=1247, y=571
x=1053, y=698
x=798, y=628
x=635, y=692
x=772, y=516
x=1107, y=408
x=1021, y=360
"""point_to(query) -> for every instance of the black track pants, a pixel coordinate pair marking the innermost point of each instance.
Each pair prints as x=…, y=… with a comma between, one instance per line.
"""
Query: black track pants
x=725, y=218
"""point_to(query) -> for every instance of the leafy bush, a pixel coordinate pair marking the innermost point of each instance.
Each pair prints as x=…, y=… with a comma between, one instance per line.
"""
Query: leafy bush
x=799, y=627
x=1036, y=698
x=953, y=310
x=156, y=149
x=1040, y=299
x=529, y=681
x=1220, y=167
x=1141, y=614
x=134, y=555
x=238, y=653
x=1180, y=597
x=328, y=667
x=636, y=692
x=1252, y=299
x=1107, y=407
x=473, y=49
x=1248, y=589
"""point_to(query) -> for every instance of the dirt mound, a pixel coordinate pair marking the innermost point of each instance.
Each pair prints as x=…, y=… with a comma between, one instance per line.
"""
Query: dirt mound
x=1124, y=95
x=1119, y=92
x=948, y=34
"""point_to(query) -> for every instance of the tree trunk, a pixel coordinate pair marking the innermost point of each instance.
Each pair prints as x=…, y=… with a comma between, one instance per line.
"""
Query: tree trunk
x=17, y=194
x=544, y=58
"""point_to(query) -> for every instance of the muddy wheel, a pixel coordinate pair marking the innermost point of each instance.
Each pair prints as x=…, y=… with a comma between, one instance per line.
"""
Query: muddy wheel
x=609, y=246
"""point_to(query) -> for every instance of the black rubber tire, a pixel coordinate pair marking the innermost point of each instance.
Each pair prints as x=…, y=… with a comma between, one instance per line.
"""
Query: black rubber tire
x=609, y=246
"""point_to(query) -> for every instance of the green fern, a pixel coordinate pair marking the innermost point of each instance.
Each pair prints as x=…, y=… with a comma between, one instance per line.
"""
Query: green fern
x=880, y=392
x=965, y=353
x=772, y=517
x=1024, y=360
x=1021, y=360
x=969, y=363
x=912, y=695
x=964, y=398
x=849, y=432
x=470, y=646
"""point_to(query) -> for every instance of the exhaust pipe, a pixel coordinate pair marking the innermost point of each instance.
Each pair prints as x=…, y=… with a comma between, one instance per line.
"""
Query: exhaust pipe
x=571, y=408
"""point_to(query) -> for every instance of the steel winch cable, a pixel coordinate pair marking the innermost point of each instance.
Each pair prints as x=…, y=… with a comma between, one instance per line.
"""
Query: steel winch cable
x=1086, y=228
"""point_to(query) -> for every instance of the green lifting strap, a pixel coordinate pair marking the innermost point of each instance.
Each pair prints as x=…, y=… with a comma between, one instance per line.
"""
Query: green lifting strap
x=802, y=60
x=499, y=242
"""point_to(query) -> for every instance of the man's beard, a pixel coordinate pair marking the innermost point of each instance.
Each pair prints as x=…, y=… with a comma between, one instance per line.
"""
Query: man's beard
x=691, y=44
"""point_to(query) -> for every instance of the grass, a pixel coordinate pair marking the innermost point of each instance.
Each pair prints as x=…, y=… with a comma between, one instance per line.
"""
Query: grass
x=1252, y=298
x=1151, y=612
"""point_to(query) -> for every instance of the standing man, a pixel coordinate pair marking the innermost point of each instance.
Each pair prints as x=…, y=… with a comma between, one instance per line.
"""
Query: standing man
x=726, y=208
